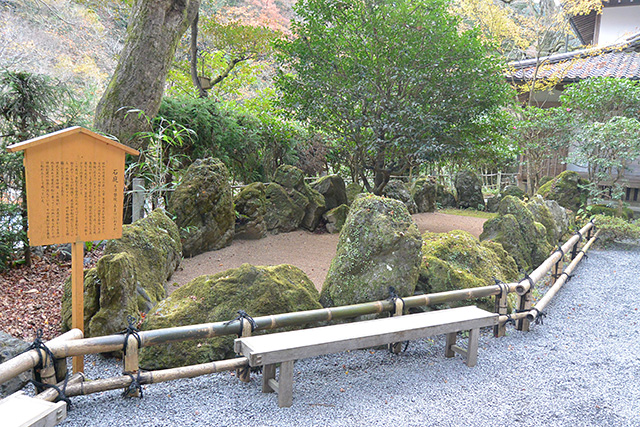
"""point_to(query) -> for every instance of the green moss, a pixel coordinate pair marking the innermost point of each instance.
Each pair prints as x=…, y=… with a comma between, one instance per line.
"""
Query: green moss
x=289, y=177
x=423, y=192
x=251, y=206
x=260, y=291
x=469, y=212
x=336, y=218
x=609, y=211
x=353, y=189
x=284, y=211
x=568, y=189
x=542, y=214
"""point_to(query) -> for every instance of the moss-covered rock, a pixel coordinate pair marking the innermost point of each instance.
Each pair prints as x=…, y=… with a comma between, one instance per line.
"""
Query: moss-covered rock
x=513, y=190
x=335, y=218
x=423, y=192
x=610, y=211
x=202, y=205
x=568, y=189
x=379, y=246
x=353, y=189
x=398, y=190
x=457, y=260
x=289, y=177
x=10, y=347
x=285, y=209
x=445, y=197
x=333, y=189
x=251, y=206
x=259, y=291
x=492, y=204
x=314, y=208
x=542, y=214
x=564, y=218
x=130, y=277
x=518, y=232
x=469, y=189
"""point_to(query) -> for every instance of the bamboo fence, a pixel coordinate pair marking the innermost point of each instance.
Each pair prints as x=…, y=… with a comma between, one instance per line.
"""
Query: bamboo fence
x=72, y=344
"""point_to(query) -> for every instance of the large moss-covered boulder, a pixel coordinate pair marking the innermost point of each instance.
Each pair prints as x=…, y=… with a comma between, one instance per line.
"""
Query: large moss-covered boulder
x=335, y=218
x=202, y=205
x=398, y=190
x=457, y=260
x=333, y=189
x=285, y=209
x=291, y=203
x=521, y=236
x=251, y=208
x=423, y=192
x=445, y=197
x=542, y=214
x=260, y=291
x=130, y=278
x=10, y=347
x=563, y=218
x=469, y=189
x=353, y=190
x=513, y=190
x=379, y=247
x=568, y=189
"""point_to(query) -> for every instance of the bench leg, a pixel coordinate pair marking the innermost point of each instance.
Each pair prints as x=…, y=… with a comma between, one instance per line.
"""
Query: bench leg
x=268, y=373
x=285, y=384
x=451, y=341
x=472, y=349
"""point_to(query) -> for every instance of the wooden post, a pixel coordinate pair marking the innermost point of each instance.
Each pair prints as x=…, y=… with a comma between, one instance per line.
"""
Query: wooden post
x=472, y=347
x=502, y=308
x=268, y=373
x=244, y=373
x=451, y=341
x=131, y=365
x=77, y=296
x=524, y=304
x=285, y=384
x=396, y=347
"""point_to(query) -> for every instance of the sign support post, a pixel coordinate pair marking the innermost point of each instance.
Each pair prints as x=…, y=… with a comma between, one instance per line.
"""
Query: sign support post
x=77, y=296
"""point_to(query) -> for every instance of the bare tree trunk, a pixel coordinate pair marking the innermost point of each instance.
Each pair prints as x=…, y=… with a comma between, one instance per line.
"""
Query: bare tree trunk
x=194, y=58
x=138, y=82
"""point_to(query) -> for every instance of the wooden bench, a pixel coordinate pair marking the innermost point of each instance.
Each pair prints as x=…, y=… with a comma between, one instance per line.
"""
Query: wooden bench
x=287, y=347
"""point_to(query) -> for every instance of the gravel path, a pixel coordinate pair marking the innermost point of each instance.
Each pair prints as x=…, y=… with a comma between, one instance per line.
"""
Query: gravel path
x=581, y=368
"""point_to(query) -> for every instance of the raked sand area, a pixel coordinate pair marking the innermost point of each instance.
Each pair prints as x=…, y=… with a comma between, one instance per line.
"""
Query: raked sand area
x=311, y=252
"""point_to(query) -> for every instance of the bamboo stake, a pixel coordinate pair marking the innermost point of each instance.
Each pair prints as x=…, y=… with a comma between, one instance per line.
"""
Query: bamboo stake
x=542, y=304
x=244, y=374
x=154, y=377
x=30, y=359
x=537, y=274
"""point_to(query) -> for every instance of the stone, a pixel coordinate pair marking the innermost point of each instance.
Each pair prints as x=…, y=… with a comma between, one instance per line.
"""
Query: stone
x=492, y=204
x=398, y=190
x=542, y=214
x=457, y=260
x=518, y=232
x=10, y=347
x=353, y=189
x=469, y=189
x=130, y=277
x=423, y=192
x=289, y=177
x=513, y=190
x=564, y=219
x=568, y=189
x=445, y=197
x=285, y=209
x=333, y=189
x=251, y=206
x=314, y=209
x=335, y=218
x=202, y=205
x=379, y=246
x=259, y=291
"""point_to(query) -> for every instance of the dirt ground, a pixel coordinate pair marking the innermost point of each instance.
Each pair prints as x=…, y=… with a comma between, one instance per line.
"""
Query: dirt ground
x=311, y=252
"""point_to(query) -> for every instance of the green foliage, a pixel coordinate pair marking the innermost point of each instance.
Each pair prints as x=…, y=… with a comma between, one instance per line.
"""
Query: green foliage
x=539, y=133
x=614, y=229
x=395, y=79
x=600, y=99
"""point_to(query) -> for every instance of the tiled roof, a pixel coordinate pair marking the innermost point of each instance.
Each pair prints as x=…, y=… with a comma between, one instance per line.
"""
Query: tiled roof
x=621, y=61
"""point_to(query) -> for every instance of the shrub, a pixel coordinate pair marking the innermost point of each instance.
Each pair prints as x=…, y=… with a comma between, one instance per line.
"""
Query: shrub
x=614, y=229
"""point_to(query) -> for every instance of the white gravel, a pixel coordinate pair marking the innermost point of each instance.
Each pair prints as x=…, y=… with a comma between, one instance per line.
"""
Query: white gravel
x=581, y=368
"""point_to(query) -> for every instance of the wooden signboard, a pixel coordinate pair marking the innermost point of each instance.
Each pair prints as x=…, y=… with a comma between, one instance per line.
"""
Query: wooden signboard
x=75, y=190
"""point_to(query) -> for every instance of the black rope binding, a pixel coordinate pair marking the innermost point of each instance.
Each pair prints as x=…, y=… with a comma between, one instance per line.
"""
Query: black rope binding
x=510, y=320
x=504, y=288
x=539, y=318
x=569, y=276
x=579, y=234
x=393, y=297
x=133, y=385
x=129, y=331
x=243, y=315
x=62, y=397
x=38, y=344
x=559, y=249
x=527, y=277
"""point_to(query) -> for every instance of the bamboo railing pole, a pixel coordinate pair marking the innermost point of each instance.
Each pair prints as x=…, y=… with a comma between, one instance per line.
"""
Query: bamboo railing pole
x=524, y=285
x=514, y=316
x=30, y=359
x=542, y=304
x=51, y=394
x=153, y=377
